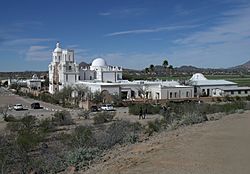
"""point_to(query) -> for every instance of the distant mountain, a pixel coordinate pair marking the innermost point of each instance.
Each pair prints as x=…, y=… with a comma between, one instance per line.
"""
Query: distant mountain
x=245, y=66
x=188, y=68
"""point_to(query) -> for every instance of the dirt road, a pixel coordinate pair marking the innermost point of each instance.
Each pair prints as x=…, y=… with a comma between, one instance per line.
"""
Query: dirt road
x=215, y=147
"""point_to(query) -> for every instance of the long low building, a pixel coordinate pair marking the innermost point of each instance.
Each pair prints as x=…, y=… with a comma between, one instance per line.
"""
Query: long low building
x=204, y=87
x=142, y=89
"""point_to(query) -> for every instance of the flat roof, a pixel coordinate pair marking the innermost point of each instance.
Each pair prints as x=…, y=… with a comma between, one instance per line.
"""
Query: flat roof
x=212, y=82
x=235, y=88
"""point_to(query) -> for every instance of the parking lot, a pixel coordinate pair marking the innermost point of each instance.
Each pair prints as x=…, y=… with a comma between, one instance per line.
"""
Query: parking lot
x=9, y=99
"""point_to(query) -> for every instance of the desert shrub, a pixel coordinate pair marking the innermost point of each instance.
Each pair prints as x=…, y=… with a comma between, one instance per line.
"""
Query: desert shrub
x=10, y=118
x=227, y=98
x=62, y=118
x=48, y=98
x=46, y=125
x=237, y=98
x=119, y=132
x=83, y=114
x=218, y=99
x=194, y=118
x=248, y=98
x=82, y=137
x=134, y=109
x=153, y=126
x=103, y=117
x=82, y=157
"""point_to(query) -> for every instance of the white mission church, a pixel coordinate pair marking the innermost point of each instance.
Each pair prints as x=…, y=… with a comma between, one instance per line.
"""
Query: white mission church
x=99, y=76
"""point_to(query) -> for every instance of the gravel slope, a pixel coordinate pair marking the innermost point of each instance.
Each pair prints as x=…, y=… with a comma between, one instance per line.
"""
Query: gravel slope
x=214, y=147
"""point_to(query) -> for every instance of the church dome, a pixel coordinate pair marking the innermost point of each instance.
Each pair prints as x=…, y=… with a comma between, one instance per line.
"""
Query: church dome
x=34, y=76
x=99, y=62
x=58, y=48
x=198, y=77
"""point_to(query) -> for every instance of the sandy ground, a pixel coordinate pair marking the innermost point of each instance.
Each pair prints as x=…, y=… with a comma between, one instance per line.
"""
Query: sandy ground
x=215, y=147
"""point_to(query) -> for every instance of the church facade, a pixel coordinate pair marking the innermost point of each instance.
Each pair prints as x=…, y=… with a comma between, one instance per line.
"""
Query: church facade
x=63, y=70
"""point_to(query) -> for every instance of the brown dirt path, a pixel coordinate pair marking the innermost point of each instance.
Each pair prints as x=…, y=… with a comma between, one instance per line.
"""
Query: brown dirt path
x=215, y=147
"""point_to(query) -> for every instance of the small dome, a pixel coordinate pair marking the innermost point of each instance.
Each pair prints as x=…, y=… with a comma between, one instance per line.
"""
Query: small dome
x=34, y=76
x=197, y=77
x=58, y=48
x=99, y=62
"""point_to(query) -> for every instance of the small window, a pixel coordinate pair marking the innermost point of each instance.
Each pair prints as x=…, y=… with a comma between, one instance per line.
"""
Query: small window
x=239, y=92
x=232, y=92
x=175, y=94
x=245, y=91
x=70, y=68
x=187, y=94
x=67, y=78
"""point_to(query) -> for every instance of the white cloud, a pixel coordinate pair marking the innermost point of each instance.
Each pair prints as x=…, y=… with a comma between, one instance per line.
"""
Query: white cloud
x=127, y=12
x=222, y=45
x=38, y=53
x=105, y=14
x=27, y=41
x=151, y=30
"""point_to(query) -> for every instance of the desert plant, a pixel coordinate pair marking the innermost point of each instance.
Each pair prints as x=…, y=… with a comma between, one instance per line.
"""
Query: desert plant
x=153, y=126
x=103, y=117
x=62, y=118
x=150, y=109
x=46, y=125
x=248, y=98
x=4, y=111
x=10, y=118
x=82, y=137
x=119, y=132
x=84, y=114
x=82, y=157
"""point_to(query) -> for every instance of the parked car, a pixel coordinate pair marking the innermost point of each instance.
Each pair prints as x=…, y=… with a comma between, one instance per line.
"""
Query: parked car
x=107, y=107
x=35, y=106
x=18, y=107
x=94, y=108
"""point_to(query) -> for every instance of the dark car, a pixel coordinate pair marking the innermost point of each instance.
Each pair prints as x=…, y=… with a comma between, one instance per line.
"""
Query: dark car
x=35, y=106
x=94, y=109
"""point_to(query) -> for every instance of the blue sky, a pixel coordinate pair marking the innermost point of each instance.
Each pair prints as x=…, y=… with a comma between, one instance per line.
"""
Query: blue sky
x=131, y=33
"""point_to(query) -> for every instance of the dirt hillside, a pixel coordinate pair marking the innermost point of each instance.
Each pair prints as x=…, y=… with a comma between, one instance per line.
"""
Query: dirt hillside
x=215, y=147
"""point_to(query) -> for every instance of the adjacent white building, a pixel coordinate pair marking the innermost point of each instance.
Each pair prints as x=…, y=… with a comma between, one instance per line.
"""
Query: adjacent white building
x=216, y=88
x=35, y=83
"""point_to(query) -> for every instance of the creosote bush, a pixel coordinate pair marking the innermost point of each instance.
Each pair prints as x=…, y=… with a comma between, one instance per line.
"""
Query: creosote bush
x=82, y=136
x=82, y=157
x=62, y=118
x=103, y=117
x=134, y=109
x=119, y=132
x=153, y=126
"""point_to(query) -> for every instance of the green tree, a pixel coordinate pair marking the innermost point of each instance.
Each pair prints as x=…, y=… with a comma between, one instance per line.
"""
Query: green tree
x=165, y=64
x=146, y=70
x=65, y=95
x=151, y=68
x=97, y=97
